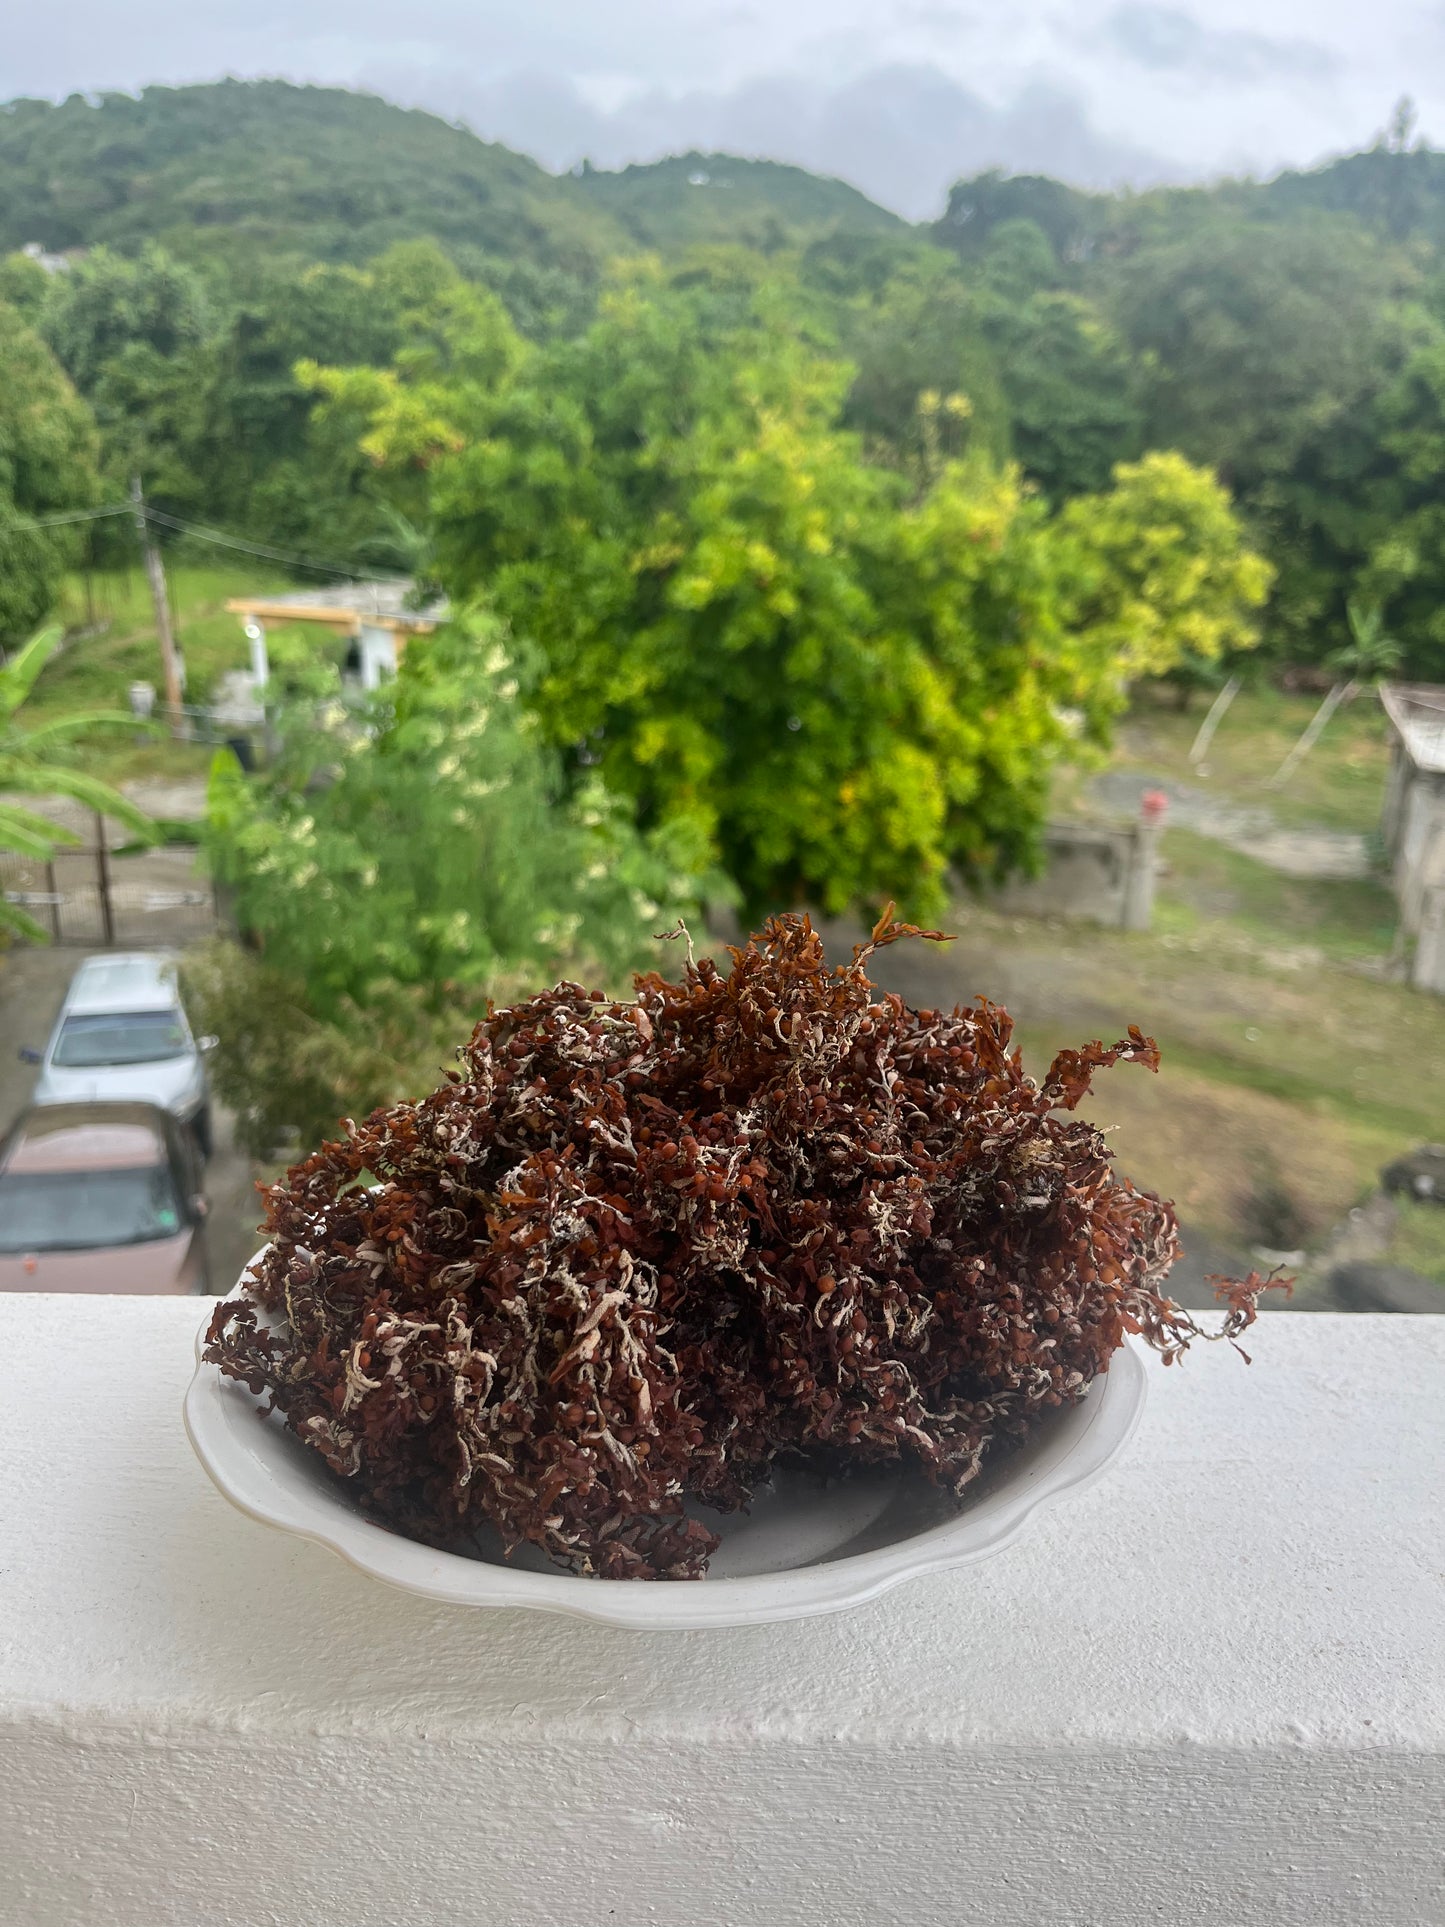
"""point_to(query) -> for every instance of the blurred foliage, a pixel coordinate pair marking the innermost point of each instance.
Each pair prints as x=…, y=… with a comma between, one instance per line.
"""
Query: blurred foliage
x=34, y=762
x=406, y=862
x=824, y=539
x=841, y=679
x=48, y=466
x=290, y=1077
x=1290, y=334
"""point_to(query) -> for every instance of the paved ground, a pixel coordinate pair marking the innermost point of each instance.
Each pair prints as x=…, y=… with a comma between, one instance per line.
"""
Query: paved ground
x=1293, y=852
x=32, y=983
x=181, y=801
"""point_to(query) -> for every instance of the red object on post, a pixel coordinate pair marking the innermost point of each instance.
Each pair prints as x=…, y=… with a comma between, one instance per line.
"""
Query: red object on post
x=1153, y=806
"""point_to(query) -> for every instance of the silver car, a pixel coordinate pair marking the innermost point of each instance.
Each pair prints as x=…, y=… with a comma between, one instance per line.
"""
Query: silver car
x=122, y=1036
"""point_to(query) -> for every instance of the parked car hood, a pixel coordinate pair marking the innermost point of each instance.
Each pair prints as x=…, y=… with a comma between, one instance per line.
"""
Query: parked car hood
x=158, y=1265
x=175, y=1083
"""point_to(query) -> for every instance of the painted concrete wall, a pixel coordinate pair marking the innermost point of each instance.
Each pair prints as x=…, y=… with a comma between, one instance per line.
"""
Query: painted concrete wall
x=1096, y=872
x=1414, y=828
x=1412, y=824
x=1208, y=1693
x=378, y=655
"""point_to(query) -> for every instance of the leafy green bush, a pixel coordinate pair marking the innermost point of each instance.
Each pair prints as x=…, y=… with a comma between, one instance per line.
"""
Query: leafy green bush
x=284, y=1071
x=401, y=867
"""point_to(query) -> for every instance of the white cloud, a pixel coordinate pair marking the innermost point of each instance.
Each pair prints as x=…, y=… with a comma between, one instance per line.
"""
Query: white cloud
x=898, y=95
x=1166, y=40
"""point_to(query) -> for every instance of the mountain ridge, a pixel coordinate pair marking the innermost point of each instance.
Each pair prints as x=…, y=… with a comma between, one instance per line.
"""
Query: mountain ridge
x=339, y=175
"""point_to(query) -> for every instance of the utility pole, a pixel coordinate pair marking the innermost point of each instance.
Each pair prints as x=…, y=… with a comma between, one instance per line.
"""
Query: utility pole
x=170, y=663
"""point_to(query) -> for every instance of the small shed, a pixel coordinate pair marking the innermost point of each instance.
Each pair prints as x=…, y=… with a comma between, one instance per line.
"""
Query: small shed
x=376, y=616
x=1413, y=824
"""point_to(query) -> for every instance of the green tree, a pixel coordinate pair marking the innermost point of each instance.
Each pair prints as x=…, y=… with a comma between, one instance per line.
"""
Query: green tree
x=840, y=685
x=399, y=872
x=31, y=765
x=1167, y=575
x=1264, y=346
x=133, y=335
x=265, y=463
x=1069, y=389
x=1405, y=568
x=24, y=284
x=193, y=382
x=922, y=335
x=48, y=467
x=1049, y=379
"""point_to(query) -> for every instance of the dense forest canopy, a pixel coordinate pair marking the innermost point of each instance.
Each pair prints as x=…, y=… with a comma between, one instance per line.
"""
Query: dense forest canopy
x=258, y=168
x=1287, y=336
x=693, y=198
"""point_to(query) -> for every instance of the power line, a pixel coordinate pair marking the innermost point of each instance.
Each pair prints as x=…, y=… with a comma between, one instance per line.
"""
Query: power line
x=57, y=521
x=351, y=570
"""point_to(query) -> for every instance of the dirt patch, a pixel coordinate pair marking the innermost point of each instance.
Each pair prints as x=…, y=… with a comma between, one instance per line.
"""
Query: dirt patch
x=1250, y=1127
x=1235, y=1162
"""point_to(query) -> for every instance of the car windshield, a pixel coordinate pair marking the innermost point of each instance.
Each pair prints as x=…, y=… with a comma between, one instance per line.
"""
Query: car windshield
x=125, y=1037
x=86, y=1210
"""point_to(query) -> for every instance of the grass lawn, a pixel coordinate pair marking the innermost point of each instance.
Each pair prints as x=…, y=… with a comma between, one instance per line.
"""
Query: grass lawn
x=1294, y=1066
x=1419, y=1240
x=1289, y=1076
x=1211, y=893
x=95, y=671
x=1339, y=785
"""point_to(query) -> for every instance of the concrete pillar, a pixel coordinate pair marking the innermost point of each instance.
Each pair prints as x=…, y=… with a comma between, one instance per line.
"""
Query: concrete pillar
x=1138, y=908
x=1392, y=812
x=260, y=662
x=1428, y=971
x=378, y=655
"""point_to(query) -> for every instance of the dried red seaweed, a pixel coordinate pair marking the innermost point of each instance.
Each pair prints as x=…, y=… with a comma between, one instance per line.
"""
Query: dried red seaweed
x=631, y=1253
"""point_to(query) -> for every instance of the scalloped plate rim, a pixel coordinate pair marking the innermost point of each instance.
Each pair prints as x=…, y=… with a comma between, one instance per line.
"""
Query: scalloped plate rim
x=1114, y=1404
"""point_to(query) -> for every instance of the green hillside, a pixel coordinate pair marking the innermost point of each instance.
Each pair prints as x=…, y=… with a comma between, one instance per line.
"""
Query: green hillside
x=306, y=170
x=694, y=197
x=1396, y=195
x=265, y=167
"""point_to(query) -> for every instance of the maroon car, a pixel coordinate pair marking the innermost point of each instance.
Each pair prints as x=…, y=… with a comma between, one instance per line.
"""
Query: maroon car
x=101, y=1197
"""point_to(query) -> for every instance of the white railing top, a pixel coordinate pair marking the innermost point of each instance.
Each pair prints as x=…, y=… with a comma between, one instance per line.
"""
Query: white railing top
x=1210, y=1689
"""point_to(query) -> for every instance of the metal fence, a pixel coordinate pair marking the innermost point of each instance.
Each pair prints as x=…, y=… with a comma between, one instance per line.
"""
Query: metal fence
x=92, y=897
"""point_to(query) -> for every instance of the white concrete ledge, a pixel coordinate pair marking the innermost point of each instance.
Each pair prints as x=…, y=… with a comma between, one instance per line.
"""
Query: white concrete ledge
x=1212, y=1690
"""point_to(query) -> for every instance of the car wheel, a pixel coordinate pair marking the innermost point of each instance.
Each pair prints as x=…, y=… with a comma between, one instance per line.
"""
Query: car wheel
x=205, y=1136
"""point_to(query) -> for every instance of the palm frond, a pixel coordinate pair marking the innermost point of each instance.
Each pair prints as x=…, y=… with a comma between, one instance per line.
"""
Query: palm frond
x=13, y=918
x=13, y=816
x=63, y=726
x=28, y=835
x=18, y=677
x=48, y=779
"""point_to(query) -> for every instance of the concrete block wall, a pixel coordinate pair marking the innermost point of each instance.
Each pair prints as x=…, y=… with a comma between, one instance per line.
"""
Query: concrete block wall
x=1098, y=872
x=1210, y=1692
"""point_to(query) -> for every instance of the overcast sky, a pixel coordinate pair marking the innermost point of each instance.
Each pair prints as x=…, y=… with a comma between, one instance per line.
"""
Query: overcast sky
x=899, y=96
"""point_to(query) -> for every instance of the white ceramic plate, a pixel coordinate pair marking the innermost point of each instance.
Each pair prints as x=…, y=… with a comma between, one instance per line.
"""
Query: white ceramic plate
x=806, y=1547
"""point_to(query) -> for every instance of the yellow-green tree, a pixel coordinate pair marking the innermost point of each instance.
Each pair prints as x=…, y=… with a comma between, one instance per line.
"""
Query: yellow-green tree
x=1165, y=571
x=843, y=687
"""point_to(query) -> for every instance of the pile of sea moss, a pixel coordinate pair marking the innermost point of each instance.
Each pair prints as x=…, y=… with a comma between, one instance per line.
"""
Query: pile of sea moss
x=631, y=1254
